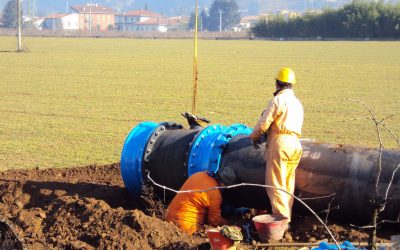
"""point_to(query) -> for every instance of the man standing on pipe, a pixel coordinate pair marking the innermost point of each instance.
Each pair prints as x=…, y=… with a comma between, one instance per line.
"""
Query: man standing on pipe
x=282, y=121
x=189, y=211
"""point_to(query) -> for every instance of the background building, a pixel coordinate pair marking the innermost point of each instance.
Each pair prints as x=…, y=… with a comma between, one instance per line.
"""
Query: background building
x=61, y=22
x=95, y=17
x=132, y=20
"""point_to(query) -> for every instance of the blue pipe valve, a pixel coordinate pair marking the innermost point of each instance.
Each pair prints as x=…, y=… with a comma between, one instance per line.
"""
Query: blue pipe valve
x=207, y=148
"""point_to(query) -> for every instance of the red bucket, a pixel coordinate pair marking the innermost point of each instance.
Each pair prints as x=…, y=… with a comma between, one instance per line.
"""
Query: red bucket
x=270, y=226
x=217, y=241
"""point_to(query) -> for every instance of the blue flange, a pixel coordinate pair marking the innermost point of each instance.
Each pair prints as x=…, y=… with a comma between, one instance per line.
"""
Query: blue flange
x=221, y=141
x=206, y=149
x=132, y=156
x=201, y=148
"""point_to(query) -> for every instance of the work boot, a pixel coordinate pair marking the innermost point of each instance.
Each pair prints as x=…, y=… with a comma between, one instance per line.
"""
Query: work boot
x=287, y=235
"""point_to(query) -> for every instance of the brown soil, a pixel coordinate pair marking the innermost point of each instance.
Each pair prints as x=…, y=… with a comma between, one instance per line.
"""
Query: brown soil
x=89, y=208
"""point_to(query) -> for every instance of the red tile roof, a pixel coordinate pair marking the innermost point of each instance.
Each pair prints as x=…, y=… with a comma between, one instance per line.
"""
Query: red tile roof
x=141, y=12
x=93, y=8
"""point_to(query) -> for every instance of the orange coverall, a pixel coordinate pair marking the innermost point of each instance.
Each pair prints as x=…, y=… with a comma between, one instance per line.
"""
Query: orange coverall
x=283, y=119
x=189, y=211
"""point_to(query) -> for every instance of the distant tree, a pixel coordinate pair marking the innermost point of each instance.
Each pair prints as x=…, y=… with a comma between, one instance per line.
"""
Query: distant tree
x=229, y=11
x=10, y=14
x=192, y=21
x=359, y=19
x=202, y=21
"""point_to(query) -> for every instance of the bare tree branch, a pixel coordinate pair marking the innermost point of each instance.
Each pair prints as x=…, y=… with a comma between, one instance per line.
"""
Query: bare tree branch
x=389, y=221
x=391, y=133
x=385, y=118
x=398, y=166
x=369, y=118
x=328, y=210
x=378, y=203
x=390, y=182
x=362, y=227
x=380, y=142
x=380, y=123
x=316, y=198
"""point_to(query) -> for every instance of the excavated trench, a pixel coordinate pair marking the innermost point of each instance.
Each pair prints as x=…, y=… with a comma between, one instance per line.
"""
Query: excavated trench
x=89, y=208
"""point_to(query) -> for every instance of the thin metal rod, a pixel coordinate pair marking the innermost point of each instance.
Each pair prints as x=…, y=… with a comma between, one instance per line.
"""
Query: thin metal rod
x=220, y=21
x=252, y=185
x=19, y=25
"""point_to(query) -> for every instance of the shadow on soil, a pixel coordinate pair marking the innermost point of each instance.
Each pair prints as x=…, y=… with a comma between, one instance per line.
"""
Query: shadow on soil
x=42, y=193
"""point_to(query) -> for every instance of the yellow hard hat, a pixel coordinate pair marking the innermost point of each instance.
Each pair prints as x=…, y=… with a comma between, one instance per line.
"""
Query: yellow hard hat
x=286, y=75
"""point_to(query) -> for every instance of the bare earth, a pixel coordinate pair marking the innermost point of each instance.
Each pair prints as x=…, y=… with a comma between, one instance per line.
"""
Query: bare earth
x=89, y=208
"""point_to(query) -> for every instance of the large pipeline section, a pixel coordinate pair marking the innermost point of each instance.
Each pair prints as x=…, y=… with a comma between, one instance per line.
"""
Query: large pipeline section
x=171, y=153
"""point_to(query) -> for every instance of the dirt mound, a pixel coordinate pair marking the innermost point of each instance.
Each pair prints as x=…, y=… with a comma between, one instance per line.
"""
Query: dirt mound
x=82, y=208
x=308, y=229
x=89, y=208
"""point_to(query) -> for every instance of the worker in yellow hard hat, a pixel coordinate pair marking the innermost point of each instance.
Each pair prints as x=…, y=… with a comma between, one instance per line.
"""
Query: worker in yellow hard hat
x=281, y=121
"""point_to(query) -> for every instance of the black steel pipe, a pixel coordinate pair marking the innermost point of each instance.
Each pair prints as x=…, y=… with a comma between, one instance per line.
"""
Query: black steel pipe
x=345, y=174
x=172, y=153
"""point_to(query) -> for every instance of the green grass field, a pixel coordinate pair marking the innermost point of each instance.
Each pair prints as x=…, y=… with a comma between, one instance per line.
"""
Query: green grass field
x=70, y=101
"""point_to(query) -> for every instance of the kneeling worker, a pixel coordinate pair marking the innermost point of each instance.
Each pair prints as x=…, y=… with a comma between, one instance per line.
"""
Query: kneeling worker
x=189, y=211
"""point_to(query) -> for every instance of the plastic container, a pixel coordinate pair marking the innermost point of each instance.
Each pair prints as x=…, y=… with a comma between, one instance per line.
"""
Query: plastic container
x=270, y=226
x=217, y=241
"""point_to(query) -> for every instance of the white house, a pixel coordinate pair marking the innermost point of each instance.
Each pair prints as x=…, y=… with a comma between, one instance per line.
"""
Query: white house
x=248, y=22
x=140, y=20
x=61, y=22
x=157, y=24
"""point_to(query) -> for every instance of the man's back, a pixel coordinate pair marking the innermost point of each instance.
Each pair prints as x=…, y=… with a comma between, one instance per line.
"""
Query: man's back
x=191, y=210
x=290, y=113
x=284, y=114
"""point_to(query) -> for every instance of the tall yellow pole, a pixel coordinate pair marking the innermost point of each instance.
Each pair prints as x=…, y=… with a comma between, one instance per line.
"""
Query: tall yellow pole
x=195, y=68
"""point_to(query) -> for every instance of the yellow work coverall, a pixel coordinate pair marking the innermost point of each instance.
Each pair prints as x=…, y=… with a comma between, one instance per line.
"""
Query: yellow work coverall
x=282, y=120
x=189, y=211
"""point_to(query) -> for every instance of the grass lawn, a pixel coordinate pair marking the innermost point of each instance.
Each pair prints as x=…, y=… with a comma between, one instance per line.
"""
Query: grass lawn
x=72, y=101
